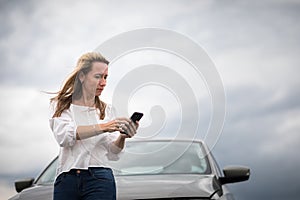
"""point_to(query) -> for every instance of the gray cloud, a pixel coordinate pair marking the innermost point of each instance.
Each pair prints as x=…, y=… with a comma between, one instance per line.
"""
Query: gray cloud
x=255, y=46
x=253, y=136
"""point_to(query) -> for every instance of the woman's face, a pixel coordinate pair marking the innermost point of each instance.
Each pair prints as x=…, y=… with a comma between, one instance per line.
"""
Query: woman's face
x=94, y=81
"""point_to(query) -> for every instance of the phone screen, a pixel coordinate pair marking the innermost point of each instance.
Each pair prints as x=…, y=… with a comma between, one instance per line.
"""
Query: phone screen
x=136, y=116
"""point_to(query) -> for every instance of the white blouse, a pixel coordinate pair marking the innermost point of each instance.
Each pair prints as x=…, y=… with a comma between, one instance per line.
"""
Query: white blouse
x=90, y=152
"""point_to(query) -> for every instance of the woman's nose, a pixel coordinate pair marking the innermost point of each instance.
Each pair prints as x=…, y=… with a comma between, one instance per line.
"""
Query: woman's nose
x=102, y=82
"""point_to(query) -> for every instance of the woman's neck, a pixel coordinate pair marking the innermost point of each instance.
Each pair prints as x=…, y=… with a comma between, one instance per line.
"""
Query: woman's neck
x=89, y=102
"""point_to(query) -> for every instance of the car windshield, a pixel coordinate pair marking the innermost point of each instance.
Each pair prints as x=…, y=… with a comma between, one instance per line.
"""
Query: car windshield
x=48, y=176
x=161, y=157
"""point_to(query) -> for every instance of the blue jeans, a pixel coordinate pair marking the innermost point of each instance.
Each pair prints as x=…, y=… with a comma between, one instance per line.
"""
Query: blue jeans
x=94, y=183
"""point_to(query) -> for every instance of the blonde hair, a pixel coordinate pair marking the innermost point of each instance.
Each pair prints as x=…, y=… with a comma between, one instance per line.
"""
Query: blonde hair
x=72, y=87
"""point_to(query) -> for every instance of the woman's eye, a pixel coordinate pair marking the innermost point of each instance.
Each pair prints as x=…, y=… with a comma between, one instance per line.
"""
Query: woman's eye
x=100, y=76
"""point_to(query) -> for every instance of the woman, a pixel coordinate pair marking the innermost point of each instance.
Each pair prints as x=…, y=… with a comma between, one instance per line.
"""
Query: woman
x=85, y=128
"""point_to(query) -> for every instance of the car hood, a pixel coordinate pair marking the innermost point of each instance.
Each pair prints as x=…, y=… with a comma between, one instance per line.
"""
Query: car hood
x=164, y=186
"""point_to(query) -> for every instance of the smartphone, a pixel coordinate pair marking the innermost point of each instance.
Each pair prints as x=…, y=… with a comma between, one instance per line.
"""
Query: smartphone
x=136, y=116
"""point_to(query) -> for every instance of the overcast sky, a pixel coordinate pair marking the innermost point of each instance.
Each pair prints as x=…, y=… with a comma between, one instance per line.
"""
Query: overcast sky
x=254, y=45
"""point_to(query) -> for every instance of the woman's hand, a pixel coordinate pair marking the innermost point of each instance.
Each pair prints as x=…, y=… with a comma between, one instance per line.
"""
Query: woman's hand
x=123, y=125
x=128, y=127
x=131, y=128
x=111, y=126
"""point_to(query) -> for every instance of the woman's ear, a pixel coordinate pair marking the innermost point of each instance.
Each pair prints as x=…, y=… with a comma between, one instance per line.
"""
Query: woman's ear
x=81, y=77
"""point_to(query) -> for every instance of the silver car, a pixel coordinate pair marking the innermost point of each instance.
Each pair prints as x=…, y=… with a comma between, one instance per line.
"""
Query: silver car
x=154, y=169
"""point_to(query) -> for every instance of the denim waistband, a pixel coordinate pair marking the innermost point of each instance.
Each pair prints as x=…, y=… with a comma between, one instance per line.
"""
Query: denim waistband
x=78, y=171
x=86, y=171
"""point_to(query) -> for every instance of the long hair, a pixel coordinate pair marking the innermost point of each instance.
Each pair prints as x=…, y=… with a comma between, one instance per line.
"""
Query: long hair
x=72, y=87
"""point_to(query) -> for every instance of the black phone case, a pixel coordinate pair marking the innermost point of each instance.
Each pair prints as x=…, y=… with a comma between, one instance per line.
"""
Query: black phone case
x=136, y=116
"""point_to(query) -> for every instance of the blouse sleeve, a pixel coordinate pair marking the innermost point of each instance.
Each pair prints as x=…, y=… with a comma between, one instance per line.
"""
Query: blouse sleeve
x=63, y=127
x=112, y=149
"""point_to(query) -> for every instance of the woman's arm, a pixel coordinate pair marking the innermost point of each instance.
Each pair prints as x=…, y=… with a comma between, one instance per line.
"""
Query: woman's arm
x=130, y=129
x=83, y=132
x=118, y=144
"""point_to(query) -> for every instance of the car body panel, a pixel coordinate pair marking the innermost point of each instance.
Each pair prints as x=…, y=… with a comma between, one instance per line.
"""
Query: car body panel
x=36, y=192
x=157, y=186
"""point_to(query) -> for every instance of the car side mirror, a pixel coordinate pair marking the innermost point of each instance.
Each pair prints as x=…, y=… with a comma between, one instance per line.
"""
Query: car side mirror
x=233, y=174
x=23, y=184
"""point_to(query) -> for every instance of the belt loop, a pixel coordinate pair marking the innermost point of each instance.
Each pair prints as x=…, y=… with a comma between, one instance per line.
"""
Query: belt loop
x=90, y=171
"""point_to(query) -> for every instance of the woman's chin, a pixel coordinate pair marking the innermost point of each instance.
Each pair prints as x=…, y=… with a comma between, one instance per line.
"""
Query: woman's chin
x=98, y=93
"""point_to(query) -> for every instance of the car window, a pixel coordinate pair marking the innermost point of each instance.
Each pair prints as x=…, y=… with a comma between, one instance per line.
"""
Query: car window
x=162, y=158
x=48, y=176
